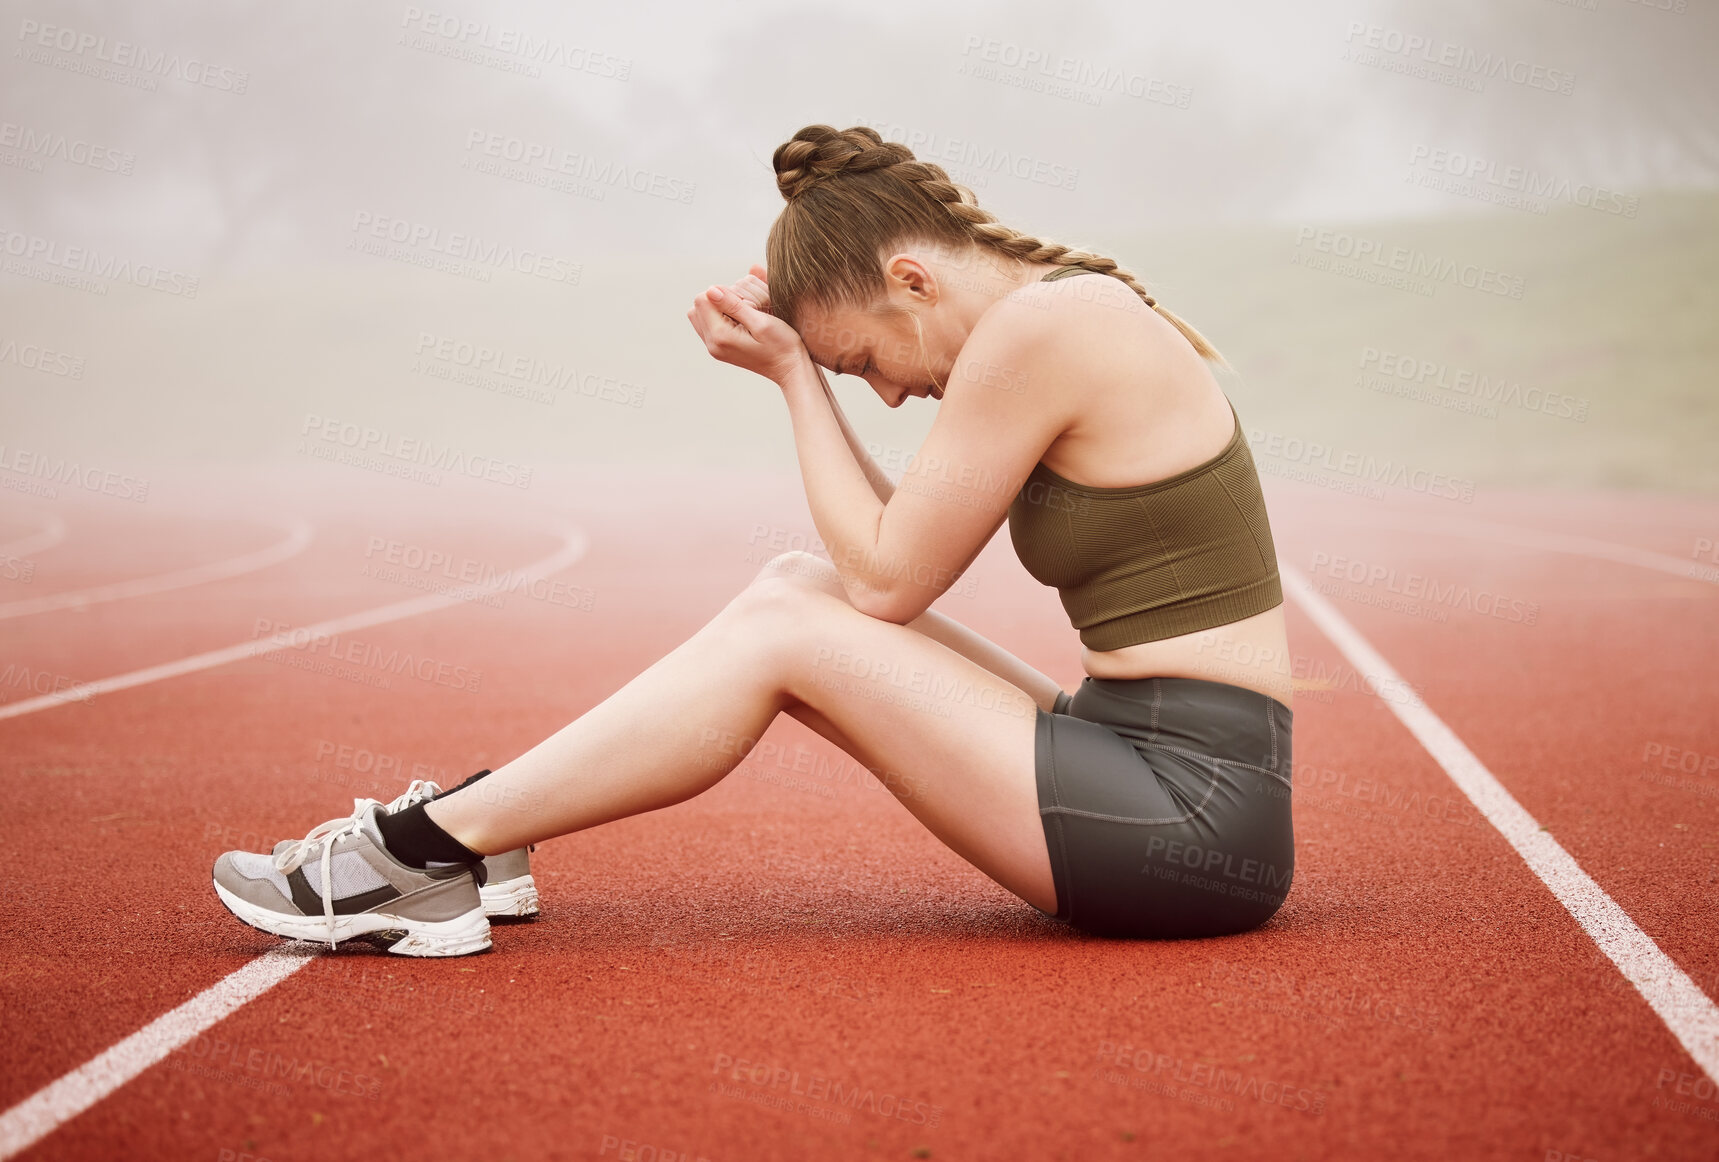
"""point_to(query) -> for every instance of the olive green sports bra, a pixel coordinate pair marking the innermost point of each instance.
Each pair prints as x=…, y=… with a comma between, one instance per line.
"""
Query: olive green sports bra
x=1142, y=562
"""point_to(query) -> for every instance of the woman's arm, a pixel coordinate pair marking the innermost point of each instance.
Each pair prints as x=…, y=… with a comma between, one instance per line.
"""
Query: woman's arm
x=896, y=556
x=754, y=289
x=845, y=498
x=845, y=489
x=880, y=483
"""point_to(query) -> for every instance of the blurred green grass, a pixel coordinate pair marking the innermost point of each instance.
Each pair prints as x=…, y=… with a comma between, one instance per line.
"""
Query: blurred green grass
x=1616, y=311
x=1623, y=313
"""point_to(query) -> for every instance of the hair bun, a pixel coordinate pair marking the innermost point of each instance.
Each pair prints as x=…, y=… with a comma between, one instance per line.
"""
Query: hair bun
x=818, y=153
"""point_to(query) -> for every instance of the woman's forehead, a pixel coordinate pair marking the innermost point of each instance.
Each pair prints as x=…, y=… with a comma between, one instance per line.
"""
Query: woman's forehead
x=829, y=335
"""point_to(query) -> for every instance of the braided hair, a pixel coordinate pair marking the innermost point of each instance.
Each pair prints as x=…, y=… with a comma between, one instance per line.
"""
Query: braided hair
x=852, y=195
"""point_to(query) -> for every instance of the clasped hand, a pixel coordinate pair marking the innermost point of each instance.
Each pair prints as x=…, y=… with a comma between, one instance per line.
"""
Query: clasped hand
x=737, y=328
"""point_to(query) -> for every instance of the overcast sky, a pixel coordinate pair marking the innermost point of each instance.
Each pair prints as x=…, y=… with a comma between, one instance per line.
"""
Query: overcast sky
x=1090, y=116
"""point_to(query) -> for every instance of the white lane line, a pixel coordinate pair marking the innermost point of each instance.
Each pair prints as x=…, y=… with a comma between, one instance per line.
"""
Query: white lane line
x=60, y=1101
x=35, y=1117
x=297, y=539
x=572, y=548
x=52, y=534
x=1688, y=1012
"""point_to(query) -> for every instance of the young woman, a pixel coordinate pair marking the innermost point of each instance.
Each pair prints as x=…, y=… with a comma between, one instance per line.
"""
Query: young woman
x=1154, y=802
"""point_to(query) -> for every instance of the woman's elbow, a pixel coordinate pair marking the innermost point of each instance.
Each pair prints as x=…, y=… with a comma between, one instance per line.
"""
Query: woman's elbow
x=886, y=604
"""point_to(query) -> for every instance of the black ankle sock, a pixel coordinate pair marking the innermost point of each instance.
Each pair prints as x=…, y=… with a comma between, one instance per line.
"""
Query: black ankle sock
x=416, y=840
x=462, y=786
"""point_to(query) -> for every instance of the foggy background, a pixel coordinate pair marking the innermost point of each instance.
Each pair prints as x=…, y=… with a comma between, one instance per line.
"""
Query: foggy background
x=195, y=202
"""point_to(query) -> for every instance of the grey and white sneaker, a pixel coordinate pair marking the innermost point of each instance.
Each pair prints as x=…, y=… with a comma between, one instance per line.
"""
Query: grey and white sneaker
x=357, y=891
x=508, y=889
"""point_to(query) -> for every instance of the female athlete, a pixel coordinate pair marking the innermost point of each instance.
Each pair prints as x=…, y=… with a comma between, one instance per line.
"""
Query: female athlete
x=1152, y=802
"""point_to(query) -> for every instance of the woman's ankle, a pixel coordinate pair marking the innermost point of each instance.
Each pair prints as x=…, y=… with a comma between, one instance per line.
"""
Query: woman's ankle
x=417, y=840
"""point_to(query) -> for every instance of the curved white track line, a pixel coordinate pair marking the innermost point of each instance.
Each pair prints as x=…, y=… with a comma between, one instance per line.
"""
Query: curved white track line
x=52, y=534
x=572, y=548
x=296, y=542
x=1551, y=542
x=60, y=1101
x=1688, y=1012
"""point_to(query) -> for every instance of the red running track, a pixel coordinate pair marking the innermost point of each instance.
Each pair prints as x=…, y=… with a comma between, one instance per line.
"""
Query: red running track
x=789, y=966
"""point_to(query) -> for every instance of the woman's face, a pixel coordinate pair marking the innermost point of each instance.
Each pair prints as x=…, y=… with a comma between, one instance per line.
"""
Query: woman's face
x=883, y=350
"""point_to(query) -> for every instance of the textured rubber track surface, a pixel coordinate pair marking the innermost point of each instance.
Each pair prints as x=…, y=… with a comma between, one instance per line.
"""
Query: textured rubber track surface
x=789, y=966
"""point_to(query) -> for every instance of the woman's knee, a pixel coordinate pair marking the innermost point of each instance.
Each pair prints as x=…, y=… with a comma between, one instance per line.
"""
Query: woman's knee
x=780, y=601
x=804, y=569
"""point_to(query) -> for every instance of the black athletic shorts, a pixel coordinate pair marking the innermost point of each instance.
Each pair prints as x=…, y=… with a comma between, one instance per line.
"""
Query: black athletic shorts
x=1165, y=804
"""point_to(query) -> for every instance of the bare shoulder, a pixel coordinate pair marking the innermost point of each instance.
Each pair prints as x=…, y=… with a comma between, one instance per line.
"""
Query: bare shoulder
x=1070, y=340
x=1128, y=397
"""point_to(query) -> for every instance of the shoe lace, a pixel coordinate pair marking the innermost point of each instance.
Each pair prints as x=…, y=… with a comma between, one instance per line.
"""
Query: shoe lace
x=420, y=789
x=324, y=835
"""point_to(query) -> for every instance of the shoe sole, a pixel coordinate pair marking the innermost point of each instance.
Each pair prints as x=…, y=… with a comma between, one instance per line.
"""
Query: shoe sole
x=401, y=935
x=515, y=897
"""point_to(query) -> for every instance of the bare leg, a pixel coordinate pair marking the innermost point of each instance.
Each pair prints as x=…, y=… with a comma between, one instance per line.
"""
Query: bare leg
x=820, y=573
x=897, y=699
